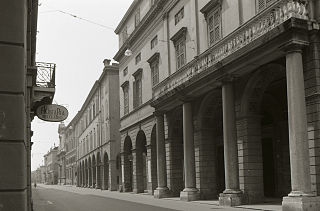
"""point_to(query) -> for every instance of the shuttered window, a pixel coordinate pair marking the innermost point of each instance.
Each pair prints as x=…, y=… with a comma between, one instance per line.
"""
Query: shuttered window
x=263, y=4
x=214, y=26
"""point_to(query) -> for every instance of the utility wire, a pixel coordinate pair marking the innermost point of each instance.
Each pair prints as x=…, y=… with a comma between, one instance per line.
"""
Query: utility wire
x=78, y=17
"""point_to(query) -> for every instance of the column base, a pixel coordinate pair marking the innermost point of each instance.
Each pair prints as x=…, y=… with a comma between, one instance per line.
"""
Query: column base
x=302, y=203
x=161, y=192
x=230, y=198
x=189, y=194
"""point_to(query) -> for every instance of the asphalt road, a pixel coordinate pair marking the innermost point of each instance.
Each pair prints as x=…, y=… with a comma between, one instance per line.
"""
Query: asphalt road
x=56, y=200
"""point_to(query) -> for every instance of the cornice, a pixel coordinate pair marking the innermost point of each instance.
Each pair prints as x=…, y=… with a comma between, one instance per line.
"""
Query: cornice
x=144, y=23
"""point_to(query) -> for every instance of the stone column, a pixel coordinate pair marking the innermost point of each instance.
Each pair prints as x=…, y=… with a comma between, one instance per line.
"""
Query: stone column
x=97, y=176
x=162, y=189
x=231, y=196
x=112, y=175
x=190, y=193
x=300, y=197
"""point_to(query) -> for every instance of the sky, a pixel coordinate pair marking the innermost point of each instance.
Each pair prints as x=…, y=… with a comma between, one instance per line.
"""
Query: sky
x=77, y=45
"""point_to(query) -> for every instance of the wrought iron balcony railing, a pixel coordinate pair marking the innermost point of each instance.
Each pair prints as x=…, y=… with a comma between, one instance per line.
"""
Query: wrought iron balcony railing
x=265, y=21
x=45, y=75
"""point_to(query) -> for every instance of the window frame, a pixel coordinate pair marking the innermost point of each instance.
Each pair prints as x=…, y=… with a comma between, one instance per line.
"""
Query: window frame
x=138, y=58
x=180, y=51
x=125, y=89
x=179, y=16
x=154, y=42
x=266, y=4
x=216, y=23
x=137, y=88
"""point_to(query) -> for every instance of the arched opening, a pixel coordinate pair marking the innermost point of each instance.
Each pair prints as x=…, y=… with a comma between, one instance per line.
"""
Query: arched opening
x=264, y=108
x=94, y=171
x=141, y=162
x=209, y=146
x=154, y=176
x=128, y=167
x=106, y=170
x=176, y=153
x=275, y=141
x=98, y=170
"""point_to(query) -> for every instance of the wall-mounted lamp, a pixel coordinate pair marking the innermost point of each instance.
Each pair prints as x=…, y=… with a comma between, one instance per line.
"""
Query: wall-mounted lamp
x=128, y=52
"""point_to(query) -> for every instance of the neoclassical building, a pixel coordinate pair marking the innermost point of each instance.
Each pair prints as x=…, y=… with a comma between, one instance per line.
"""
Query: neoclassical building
x=219, y=99
x=91, y=142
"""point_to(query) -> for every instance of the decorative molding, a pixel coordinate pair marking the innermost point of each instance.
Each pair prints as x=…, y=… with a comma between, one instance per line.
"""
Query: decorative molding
x=124, y=84
x=137, y=72
x=182, y=32
x=154, y=57
x=209, y=6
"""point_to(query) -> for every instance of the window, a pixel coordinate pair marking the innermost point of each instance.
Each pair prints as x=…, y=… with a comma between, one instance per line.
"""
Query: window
x=137, y=18
x=214, y=29
x=137, y=88
x=94, y=110
x=155, y=72
x=125, y=71
x=125, y=88
x=180, y=47
x=138, y=58
x=179, y=16
x=154, y=42
x=154, y=66
x=262, y=4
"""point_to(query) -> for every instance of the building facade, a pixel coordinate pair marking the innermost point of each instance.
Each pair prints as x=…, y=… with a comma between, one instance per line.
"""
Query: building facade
x=219, y=99
x=98, y=139
x=52, y=166
x=90, y=143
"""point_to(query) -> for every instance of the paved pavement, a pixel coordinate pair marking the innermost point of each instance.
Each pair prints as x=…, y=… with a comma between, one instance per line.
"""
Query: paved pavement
x=69, y=198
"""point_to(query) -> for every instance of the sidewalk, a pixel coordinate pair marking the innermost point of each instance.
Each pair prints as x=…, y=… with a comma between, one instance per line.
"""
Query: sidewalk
x=170, y=203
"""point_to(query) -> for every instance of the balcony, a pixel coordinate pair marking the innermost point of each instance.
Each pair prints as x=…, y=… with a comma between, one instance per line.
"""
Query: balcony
x=44, y=87
x=232, y=46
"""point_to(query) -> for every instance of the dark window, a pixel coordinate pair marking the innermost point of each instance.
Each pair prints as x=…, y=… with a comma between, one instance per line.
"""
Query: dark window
x=180, y=46
x=263, y=4
x=137, y=90
x=155, y=72
x=214, y=26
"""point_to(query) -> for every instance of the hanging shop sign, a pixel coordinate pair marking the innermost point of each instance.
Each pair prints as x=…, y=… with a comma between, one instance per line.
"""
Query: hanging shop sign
x=52, y=113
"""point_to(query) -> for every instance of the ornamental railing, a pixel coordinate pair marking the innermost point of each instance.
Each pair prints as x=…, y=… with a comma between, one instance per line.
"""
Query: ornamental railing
x=260, y=24
x=45, y=75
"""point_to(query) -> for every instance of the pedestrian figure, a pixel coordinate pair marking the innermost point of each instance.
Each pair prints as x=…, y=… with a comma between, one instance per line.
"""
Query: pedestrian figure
x=35, y=185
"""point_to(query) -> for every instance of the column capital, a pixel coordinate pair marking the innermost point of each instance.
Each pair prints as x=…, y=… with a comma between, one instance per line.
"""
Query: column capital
x=294, y=46
x=226, y=79
x=158, y=113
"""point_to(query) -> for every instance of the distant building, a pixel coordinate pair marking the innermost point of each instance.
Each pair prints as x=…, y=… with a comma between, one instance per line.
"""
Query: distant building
x=219, y=100
x=68, y=153
x=52, y=166
x=39, y=175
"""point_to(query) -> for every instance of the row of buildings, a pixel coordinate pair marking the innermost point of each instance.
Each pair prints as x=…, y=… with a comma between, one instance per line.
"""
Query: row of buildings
x=210, y=99
x=48, y=173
